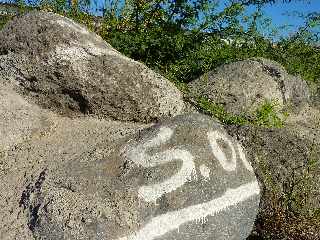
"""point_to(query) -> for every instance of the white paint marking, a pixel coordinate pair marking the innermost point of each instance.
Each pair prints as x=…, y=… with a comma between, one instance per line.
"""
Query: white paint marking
x=89, y=46
x=228, y=165
x=205, y=172
x=138, y=155
x=69, y=24
x=83, y=52
x=79, y=55
x=80, y=52
x=153, y=192
x=170, y=221
x=244, y=159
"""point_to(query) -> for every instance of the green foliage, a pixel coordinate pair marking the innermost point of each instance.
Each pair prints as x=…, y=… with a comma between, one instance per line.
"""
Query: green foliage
x=57, y=6
x=182, y=50
x=268, y=116
x=213, y=52
x=265, y=115
x=299, y=58
x=158, y=33
x=218, y=111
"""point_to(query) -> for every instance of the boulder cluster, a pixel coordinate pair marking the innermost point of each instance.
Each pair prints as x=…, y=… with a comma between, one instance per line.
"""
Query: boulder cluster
x=95, y=145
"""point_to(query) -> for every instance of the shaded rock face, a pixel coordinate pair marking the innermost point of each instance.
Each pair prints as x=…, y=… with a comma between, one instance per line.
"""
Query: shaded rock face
x=288, y=169
x=94, y=179
x=304, y=122
x=243, y=86
x=62, y=66
x=49, y=180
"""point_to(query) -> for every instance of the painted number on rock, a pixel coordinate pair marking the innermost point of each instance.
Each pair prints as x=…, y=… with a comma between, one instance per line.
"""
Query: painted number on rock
x=164, y=223
x=139, y=156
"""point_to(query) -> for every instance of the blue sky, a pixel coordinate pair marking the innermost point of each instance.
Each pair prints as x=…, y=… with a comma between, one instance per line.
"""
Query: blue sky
x=278, y=13
x=277, y=10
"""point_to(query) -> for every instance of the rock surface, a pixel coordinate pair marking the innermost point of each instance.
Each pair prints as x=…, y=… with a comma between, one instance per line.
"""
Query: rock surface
x=91, y=177
x=64, y=67
x=304, y=122
x=288, y=169
x=210, y=193
x=243, y=86
x=96, y=179
x=50, y=179
x=20, y=120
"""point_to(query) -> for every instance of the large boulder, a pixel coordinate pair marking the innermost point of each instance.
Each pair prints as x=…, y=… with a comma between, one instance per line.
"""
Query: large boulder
x=244, y=85
x=184, y=178
x=288, y=169
x=62, y=66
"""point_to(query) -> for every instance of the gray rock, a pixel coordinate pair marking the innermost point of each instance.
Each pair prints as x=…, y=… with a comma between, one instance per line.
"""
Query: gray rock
x=316, y=96
x=95, y=179
x=211, y=193
x=243, y=86
x=20, y=120
x=304, y=122
x=62, y=66
x=49, y=180
x=288, y=169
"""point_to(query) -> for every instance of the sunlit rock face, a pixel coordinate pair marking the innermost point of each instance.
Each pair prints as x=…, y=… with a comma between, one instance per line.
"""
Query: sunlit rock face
x=243, y=86
x=64, y=67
